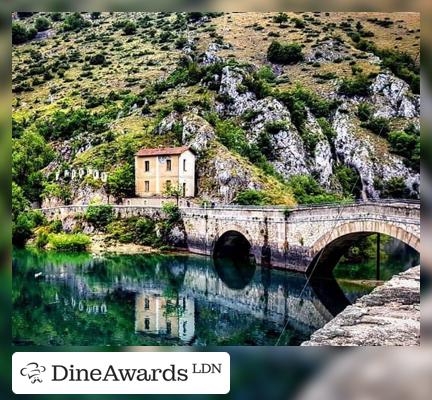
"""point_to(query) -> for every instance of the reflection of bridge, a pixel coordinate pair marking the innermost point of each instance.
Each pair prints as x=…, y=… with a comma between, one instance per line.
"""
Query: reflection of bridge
x=286, y=238
x=270, y=296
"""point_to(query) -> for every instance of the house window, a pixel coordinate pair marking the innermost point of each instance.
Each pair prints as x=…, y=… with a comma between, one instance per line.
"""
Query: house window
x=146, y=186
x=147, y=324
x=168, y=328
x=146, y=303
x=184, y=165
x=147, y=166
x=168, y=185
x=184, y=189
x=168, y=165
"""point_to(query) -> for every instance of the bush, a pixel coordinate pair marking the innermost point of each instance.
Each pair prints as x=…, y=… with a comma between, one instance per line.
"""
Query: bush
x=280, y=18
x=172, y=211
x=406, y=144
x=20, y=34
x=395, y=188
x=41, y=24
x=42, y=239
x=250, y=197
x=66, y=124
x=129, y=28
x=307, y=190
x=75, y=22
x=97, y=59
x=179, y=106
x=349, y=180
x=400, y=63
x=99, y=215
x=134, y=230
x=69, y=242
x=356, y=86
x=298, y=23
x=22, y=227
x=290, y=53
x=364, y=111
x=56, y=16
x=378, y=125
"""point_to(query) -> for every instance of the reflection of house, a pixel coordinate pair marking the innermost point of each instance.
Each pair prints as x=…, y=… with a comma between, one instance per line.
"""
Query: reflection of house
x=173, y=317
x=158, y=169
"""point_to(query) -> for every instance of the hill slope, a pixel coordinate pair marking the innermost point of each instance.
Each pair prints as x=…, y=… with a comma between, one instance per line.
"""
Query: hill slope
x=281, y=108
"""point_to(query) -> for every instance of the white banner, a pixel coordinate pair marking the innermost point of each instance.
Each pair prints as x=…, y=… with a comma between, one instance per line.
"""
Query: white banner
x=121, y=373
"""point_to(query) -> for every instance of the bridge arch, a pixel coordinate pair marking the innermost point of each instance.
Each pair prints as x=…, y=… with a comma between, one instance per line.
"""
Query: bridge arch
x=233, y=243
x=329, y=248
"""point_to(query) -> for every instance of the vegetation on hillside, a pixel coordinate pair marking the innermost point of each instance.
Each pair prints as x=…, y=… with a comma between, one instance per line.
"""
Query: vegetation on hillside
x=90, y=89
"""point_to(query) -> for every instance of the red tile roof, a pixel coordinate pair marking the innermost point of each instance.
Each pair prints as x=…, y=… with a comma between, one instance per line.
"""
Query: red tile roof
x=162, y=151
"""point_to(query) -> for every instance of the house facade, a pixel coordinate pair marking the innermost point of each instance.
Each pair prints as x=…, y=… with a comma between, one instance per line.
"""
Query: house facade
x=158, y=169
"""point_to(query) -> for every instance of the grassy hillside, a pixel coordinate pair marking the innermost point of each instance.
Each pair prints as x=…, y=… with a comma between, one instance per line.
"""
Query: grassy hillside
x=90, y=89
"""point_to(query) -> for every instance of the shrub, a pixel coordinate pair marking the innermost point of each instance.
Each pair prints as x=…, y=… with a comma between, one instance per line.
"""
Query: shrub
x=349, y=180
x=42, y=239
x=180, y=42
x=75, y=22
x=97, y=59
x=307, y=190
x=356, y=86
x=298, y=23
x=406, y=144
x=66, y=124
x=280, y=18
x=378, y=125
x=129, y=28
x=179, y=106
x=55, y=226
x=250, y=197
x=257, y=85
x=41, y=24
x=99, y=215
x=395, y=188
x=22, y=227
x=232, y=136
x=134, y=230
x=20, y=34
x=69, y=242
x=279, y=53
x=172, y=211
x=400, y=63
x=56, y=16
x=364, y=111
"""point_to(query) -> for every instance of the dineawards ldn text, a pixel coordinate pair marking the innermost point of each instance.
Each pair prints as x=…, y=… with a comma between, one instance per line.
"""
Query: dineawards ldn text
x=112, y=374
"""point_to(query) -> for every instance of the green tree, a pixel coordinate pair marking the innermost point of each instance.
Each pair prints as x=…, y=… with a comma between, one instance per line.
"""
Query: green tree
x=281, y=53
x=42, y=24
x=129, y=28
x=99, y=215
x=19, y=201
x=121, y=182
x=395, y=188
x=20, y=34
x=359, y=85
x=75, y=22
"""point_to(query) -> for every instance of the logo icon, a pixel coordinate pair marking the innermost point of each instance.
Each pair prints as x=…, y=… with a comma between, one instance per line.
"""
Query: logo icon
x=33, y=371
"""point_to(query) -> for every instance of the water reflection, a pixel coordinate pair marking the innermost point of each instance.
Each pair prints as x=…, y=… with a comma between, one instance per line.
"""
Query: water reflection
x=164, y=299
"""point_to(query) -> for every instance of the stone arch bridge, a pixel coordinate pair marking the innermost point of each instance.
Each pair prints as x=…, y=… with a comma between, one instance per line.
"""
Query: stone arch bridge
x=290, y=239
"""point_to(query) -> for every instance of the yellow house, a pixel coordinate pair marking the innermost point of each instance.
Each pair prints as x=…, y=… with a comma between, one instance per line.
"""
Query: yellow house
x=158, y=169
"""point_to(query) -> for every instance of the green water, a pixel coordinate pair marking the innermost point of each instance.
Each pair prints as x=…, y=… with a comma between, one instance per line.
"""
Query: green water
x=79, y=299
